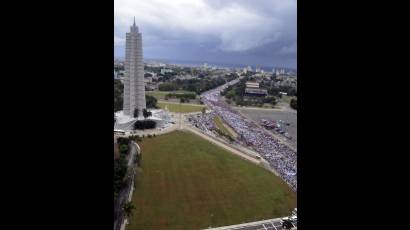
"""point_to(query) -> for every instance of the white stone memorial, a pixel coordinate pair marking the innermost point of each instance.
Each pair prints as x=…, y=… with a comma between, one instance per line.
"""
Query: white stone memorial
x=134, y=88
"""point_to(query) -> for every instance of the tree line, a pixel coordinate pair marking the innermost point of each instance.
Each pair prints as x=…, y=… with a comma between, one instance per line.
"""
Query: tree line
x=151, y=102
x=197, y=85
x=236, y=94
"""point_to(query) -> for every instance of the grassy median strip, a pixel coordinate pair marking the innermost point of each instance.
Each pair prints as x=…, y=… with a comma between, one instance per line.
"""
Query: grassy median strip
x=180, y=108
x=160, y=95
x=219, y=123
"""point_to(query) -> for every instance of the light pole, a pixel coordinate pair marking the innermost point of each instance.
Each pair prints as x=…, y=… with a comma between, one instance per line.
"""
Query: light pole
x=180, y=116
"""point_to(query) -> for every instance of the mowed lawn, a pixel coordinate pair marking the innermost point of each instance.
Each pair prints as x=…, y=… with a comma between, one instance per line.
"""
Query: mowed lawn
x=161, y=94
x=185, y=182
x=180, y=108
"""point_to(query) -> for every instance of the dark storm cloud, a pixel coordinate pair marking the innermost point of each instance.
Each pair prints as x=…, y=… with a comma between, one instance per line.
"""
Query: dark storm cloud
x=241, y=31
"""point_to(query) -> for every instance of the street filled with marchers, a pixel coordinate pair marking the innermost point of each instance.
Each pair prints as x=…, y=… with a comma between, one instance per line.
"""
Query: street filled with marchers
x=280, y=157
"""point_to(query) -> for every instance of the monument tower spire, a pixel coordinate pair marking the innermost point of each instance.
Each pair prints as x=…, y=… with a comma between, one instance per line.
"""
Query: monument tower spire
x=134, y=88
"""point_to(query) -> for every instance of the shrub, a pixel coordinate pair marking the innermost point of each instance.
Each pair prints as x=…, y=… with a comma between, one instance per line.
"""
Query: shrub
x=123, y=140
x=293, y=103
x=123, y=149
x=151, y=101
x=144, y=124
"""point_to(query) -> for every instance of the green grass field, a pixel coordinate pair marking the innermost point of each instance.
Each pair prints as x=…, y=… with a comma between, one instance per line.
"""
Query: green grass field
x=219, y=124
x=161, y=94
x=185, y=182
x=180, y=108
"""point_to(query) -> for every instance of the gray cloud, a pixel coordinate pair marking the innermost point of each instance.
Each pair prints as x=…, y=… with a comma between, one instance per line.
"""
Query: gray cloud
x=241, y=31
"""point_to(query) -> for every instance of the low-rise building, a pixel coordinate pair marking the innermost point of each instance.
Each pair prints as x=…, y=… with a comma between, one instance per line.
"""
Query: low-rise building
x=163, y=71
x=251, y=84
x=252, y=89
x=255, y=92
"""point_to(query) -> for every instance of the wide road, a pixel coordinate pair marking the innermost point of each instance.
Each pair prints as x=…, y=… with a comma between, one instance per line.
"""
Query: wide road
x=280, y=156
x=289, y=117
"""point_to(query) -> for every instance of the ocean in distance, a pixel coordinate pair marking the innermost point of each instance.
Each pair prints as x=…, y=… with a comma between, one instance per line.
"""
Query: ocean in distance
x=210, y=64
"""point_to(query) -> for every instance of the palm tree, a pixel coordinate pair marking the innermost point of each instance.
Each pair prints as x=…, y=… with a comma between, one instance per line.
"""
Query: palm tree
x=136, y=111
x=128, y=207
x=145, y=113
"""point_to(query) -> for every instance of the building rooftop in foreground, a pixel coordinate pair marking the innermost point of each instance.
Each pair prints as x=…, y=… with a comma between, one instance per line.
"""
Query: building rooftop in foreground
x=271, y=224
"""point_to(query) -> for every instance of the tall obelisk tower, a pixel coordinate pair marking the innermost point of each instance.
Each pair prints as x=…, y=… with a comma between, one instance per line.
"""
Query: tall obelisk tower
x=134, y=89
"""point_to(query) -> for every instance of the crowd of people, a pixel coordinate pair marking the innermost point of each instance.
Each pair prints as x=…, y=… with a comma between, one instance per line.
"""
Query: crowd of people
x=280, y=157
x=204, y=122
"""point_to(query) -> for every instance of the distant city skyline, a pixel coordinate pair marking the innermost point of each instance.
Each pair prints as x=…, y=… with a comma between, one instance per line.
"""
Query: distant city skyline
x=233, y=32
x=200, y=63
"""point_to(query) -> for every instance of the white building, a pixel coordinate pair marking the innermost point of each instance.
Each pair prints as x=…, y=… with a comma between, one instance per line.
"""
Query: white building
x=258, y=69
x=134, y=89
x=252, y=84
x=164, y=71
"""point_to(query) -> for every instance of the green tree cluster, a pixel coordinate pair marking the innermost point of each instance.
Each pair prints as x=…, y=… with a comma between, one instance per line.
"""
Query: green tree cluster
x=293, y=103
x=144, y=124
x=118, y=95
x=196, y=85
x=120, y=170
x=151, y=102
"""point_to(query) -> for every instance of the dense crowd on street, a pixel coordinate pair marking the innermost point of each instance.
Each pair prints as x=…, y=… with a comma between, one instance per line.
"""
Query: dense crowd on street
x=204, y=122
x=280, y=157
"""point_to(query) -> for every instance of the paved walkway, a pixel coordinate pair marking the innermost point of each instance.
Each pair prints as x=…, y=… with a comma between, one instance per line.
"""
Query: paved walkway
x=179, y=120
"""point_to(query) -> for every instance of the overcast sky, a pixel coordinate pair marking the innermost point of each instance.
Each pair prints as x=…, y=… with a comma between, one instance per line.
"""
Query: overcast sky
x=228, y=31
